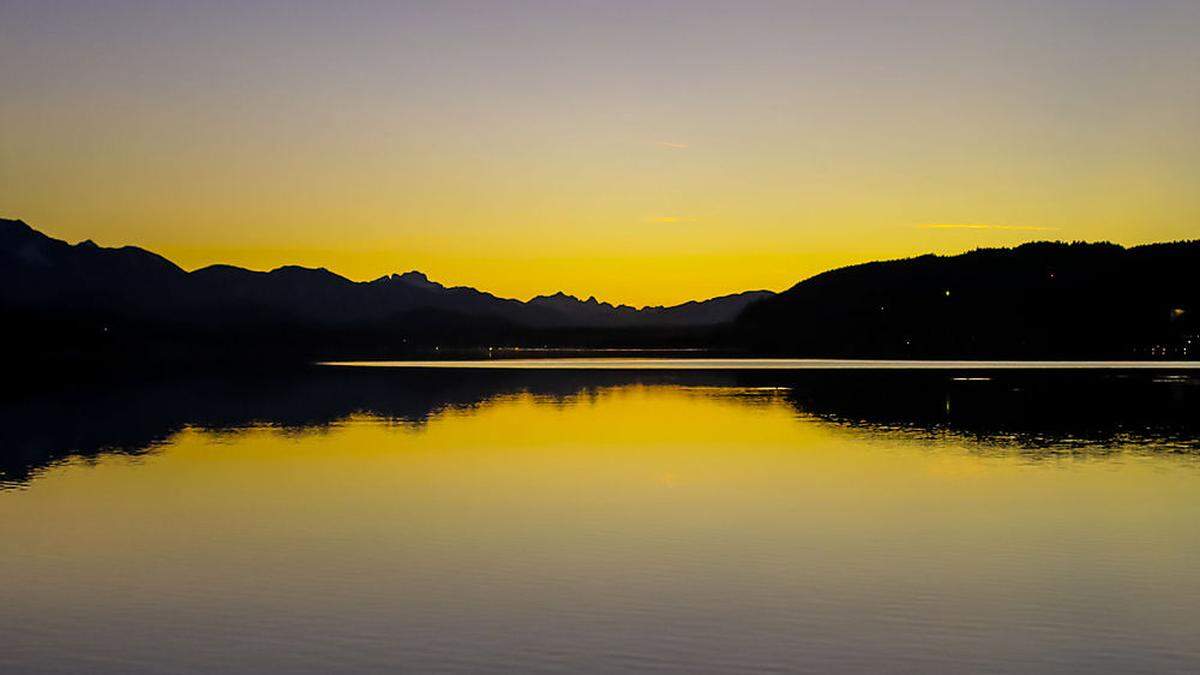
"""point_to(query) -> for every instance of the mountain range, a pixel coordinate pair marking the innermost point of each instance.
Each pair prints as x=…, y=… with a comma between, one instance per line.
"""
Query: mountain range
x=1035, y=301
x=40, y=273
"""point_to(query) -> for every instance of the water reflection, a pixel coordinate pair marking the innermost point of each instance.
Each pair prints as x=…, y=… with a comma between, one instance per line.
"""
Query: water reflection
x=378, y=521
x=1032, y=412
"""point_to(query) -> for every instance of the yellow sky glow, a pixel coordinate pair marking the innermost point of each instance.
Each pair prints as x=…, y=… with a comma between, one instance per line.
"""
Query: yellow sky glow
x=569, y=148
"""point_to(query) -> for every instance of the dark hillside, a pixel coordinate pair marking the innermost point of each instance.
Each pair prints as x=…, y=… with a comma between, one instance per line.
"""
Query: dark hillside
x=1039, y=300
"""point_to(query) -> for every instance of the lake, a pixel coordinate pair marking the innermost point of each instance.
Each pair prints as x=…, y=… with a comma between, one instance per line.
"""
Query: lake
x=594, y=519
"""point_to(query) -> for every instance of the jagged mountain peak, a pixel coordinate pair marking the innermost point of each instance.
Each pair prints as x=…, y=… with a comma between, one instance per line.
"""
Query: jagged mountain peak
x=418, y=279
x=15, y=225
x=133, y=279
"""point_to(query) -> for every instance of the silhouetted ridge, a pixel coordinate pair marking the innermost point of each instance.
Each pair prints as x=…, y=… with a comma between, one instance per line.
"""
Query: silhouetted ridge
x=1039, y=300
x=84, y=296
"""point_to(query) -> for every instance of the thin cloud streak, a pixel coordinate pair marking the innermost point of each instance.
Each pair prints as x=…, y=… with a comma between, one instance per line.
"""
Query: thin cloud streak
x=671, y=146
x=982, y=226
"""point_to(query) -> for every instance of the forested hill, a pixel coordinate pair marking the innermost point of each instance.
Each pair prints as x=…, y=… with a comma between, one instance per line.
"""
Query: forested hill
x=1039, y=300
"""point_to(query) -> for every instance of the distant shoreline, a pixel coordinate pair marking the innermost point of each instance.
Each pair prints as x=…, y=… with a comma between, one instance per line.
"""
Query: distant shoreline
x=652, y=363
x=1040, y=303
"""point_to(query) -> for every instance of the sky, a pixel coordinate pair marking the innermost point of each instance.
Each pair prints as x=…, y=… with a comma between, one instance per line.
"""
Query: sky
x=642, y=152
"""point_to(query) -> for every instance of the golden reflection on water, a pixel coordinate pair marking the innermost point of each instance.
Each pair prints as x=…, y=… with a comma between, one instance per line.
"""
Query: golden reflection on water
x=545, y=530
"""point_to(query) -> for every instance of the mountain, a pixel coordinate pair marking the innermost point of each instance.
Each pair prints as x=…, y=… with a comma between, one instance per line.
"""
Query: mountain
x=592, y=312
x=54, y=288
x=1039, y=300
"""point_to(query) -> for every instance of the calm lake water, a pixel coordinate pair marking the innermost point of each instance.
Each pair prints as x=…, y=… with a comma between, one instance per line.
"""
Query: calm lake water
x=424, y=520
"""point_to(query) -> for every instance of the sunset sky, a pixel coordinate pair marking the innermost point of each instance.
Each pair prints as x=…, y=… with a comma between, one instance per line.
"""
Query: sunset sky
x=642, y=152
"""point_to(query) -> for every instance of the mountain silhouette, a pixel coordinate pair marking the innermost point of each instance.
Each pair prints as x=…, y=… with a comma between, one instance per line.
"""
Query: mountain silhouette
x=1038, y=300
x=54, y=290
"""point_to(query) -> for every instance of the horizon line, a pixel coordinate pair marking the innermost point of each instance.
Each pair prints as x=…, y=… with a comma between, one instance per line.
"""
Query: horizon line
x=592, y=296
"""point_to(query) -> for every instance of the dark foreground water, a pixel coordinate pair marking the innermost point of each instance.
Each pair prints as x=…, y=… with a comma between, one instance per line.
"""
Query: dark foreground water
x=346, y=520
